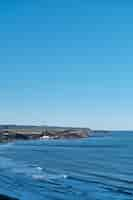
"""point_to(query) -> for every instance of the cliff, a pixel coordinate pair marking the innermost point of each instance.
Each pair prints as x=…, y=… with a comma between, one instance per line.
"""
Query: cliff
x=30, y=133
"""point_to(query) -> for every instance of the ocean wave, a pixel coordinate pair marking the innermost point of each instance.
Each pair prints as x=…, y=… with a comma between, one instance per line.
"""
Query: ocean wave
x=47, y=177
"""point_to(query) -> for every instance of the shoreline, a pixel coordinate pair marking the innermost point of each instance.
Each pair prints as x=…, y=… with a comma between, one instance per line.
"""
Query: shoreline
x=9, y=135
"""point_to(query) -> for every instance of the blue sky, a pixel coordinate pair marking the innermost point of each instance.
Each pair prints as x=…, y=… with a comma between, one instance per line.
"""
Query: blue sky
x=67, y=63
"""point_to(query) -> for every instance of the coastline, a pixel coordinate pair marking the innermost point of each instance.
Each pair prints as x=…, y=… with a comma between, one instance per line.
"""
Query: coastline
x=14, y=133
x=11, y=133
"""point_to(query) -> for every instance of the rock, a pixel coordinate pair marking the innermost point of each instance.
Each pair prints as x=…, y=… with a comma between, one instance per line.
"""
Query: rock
x=21, y=136
x=69, y=134
x=49, y=133
x=5, y=197
x=12, y=136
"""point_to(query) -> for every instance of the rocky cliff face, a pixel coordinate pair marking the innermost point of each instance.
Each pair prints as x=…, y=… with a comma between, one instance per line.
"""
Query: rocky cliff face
x=9, y=135
x=68, y=133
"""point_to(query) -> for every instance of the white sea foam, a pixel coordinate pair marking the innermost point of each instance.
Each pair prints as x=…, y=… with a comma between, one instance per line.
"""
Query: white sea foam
x=47, y=177
x=44, y=137
x=39, y=168
x=28, y=171
x=36, y=172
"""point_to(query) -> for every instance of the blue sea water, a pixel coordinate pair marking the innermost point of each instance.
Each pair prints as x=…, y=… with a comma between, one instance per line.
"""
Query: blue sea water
x=97, y=168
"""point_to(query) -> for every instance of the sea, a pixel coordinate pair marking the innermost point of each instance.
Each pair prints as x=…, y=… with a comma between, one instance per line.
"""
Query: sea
x=97, y=168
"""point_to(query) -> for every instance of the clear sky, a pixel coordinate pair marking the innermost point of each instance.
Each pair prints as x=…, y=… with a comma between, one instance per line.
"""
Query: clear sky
x=67, y=63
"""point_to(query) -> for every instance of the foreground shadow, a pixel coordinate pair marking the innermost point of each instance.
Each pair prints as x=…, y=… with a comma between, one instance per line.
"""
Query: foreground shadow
x=4, y=197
